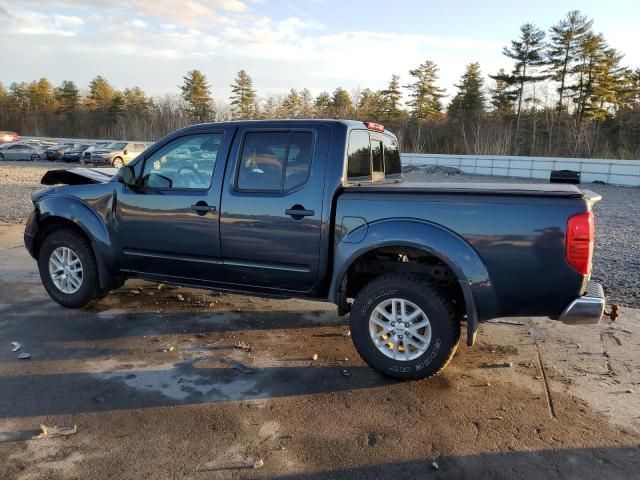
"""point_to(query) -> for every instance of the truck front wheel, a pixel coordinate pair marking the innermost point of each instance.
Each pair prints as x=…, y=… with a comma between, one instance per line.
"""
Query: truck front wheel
x=403, y=327
x=68, y=268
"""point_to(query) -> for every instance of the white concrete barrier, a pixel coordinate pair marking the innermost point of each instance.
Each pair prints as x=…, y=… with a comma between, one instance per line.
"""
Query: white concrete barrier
x=615, y=172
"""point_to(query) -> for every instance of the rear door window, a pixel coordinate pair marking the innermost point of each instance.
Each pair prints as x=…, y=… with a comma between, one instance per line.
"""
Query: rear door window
x=275, y=161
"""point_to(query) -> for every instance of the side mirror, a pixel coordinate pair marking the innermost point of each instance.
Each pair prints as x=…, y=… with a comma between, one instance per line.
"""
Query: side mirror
x=125, y=151
x=127, y=176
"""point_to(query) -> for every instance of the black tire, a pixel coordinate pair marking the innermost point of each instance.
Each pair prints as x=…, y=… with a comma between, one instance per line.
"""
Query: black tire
x=88, y=290
x=117, y=162
x=35, y=157
x=1, y=157
x=445, y=328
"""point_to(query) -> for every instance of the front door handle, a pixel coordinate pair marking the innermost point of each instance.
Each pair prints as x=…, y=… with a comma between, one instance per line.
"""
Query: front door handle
x=202, y=208
x=298, y=212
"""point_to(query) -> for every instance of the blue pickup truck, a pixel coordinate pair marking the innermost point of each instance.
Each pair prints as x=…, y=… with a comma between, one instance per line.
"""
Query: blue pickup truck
x=317, y=209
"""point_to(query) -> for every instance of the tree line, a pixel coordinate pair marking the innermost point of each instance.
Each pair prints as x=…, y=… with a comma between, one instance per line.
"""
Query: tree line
x=567, y=94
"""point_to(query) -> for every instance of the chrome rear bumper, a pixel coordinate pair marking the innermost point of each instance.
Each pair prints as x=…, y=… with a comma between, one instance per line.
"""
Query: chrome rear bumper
x=587, y=309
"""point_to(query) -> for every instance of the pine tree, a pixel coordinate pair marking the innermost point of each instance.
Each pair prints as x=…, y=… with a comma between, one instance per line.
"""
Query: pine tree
x=67, y=96
x=502, y=96
x=292, y=104
x=116, y=107
x=470, y=98
x=607, y=83
x=391, y=97
x=628, y=94
x=426, y=96
x=136, y=102
x=322, y=105
x=341, y=105
x=307, y=103
x=196, y=91
x=564, y=47
x=528, y=53
x=40, y=94
x=370, y=106
x=591, y=53
x=100, y=93
x=243, y=98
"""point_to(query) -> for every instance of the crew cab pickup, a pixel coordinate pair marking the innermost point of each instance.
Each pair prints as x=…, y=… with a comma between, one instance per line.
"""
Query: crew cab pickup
x=317, y=209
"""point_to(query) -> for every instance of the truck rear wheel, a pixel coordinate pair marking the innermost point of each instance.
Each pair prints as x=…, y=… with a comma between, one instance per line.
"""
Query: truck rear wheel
x=403, y=327
x=68, y=269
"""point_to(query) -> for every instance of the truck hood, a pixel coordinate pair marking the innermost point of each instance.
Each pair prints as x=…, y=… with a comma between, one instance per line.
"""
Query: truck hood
x=78, y=176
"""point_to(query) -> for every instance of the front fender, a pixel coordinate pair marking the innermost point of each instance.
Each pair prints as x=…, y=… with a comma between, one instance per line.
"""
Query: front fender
x=472, y=274
x=89, y=221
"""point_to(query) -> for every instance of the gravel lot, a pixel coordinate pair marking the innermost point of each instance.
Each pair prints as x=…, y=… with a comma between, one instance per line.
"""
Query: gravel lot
x=617, y=264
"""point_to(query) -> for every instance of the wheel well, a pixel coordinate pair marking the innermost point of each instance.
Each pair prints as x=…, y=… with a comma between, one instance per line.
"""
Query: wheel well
x=56, y=223
x=395, y=259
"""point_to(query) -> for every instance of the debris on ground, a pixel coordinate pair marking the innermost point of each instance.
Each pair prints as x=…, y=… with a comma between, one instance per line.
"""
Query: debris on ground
x=235, y=364
x=505, y=322
x=242, y=345
x=628, y=390
x=259, y=463
x=52, y=432
x=24, y=356
x=314, y=357
x=434, y=465
x=180, y=297
x=347, y=333
x=497, y=365
x=346, y=373
x=135, y=292
x=16, y=346
x=160, y=286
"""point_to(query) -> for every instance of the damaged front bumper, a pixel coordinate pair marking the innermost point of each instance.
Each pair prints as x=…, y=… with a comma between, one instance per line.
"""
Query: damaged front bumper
x=587, y=309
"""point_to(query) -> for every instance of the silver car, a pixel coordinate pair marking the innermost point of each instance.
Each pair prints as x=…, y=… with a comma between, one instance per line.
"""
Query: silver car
x=18, y=151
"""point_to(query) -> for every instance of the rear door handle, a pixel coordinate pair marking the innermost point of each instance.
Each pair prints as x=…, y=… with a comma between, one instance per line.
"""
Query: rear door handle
x=201, y=208
x=298, y=211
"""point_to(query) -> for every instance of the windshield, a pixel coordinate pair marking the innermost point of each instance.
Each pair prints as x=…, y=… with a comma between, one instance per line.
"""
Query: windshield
x=116, y=146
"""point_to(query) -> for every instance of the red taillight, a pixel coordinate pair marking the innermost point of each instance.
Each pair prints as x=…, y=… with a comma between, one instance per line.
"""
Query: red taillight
x=580, y=238
x=376, y=127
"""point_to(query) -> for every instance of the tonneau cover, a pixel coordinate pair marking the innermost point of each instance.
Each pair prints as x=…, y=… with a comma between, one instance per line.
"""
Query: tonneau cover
x=511, y=189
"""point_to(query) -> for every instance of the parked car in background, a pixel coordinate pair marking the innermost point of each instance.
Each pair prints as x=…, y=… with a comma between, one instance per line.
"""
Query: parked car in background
x=56, y=152
x=118, y=154
x=74, y=154
x=86, y=155
x=18, y=151
x=6, y=136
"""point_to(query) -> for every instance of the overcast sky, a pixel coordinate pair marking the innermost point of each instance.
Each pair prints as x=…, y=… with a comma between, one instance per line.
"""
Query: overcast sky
x=318, y=44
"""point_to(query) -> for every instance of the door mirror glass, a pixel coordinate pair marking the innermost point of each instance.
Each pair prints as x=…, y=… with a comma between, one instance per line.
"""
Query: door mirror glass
x=127, y=176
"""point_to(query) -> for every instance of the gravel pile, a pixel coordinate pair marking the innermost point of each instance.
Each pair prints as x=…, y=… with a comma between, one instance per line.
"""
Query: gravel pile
x=617, y=253
x=431, y=170
x=17, y=181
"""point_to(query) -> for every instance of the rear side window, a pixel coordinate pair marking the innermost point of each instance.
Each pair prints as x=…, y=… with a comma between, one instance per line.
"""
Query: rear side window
x=359, y=156
x=392, y=164
x=139, y=147
x=275, y=161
